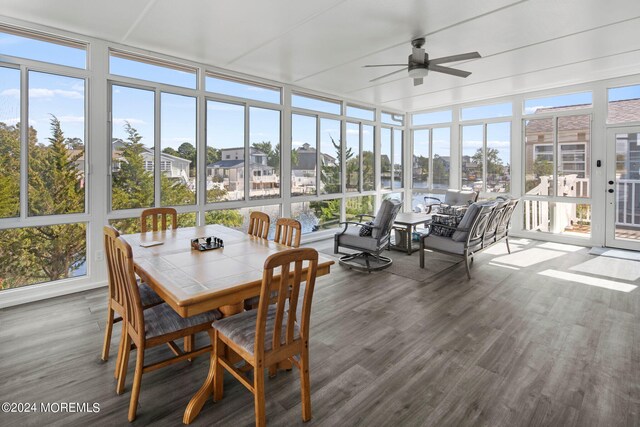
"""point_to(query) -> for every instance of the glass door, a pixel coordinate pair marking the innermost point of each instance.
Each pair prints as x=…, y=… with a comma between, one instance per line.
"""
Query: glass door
x=623, y=188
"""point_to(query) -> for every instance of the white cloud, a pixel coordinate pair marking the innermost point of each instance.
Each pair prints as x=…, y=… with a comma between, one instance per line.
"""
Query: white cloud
x=499, y=144
x=297, y=144
x=353, y=132
x=14, y=93
x=71, y=119
x=50, y=93
x=10, y=121
x=532, y=109
x=121, y=121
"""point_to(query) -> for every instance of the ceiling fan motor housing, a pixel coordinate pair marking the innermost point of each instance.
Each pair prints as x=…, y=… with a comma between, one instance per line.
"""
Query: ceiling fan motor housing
x=414, y=64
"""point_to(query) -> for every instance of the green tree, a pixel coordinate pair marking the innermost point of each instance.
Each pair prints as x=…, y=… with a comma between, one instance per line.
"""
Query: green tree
x=330, y=173
x=10, y=166
x=46, y=253
x=132, y=186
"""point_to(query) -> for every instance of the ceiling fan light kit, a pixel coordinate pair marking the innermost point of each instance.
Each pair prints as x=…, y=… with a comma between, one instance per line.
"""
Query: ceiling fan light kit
x=419, y=64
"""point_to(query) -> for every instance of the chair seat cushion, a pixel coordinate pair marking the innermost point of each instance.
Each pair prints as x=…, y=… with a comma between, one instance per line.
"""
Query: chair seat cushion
x=148, y=296
x=241, y=329
x=162, y=319
x=444, y=244
x=352, y=238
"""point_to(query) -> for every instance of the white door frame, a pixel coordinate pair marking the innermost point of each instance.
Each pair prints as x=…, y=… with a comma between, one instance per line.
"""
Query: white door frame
x=611, y=196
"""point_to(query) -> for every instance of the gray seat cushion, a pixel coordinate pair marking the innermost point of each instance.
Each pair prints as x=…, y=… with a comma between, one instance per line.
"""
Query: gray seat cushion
x=459, y=198
x=148, y=296
x=352, y=237
x=241, y=329
x=162, y=319
x=444, y=244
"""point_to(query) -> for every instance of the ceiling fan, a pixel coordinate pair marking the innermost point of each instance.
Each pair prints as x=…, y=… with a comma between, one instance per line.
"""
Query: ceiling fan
x=419, y=63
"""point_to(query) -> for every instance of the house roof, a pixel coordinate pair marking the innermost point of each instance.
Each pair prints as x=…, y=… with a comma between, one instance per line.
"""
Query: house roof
x=227, y=164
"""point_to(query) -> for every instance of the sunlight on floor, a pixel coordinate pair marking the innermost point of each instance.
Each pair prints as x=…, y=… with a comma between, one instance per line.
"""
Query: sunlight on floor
x=560, y=247
x=528, y=257
x=614, y=268
x=588, y=280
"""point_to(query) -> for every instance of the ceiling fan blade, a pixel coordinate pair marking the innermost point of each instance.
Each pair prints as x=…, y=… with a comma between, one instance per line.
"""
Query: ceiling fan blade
x=418, y=55
x=385, y=65
x=455, y=58
x=418, y=81
x=447, y=70
x=389, y=74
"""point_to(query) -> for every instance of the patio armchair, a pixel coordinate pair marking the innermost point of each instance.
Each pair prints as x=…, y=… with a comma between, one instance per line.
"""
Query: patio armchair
x=467, y=237
x=451, y=198
x=370, y=239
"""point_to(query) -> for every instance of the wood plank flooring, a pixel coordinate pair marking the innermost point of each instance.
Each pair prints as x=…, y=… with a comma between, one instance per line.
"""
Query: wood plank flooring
x=511, y=347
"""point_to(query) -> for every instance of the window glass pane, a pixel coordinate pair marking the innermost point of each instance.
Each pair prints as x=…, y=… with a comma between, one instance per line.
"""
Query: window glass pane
x=317, y=215
x=132, y=225
x=498, y=157
x=574, y=136
x=624, y=104
x=71, y=54
x=431, y=118
x=441, y=159
x=368, y=159
x=331, y=156
x=225, y=151
x=132, y=156
x=539, y=157
x=317, y=104
x=10, y=142
x=264, y=134
x=472, y=157
x=385, y=157
x=421, y=155
x=178, y=160
x=392, y=196
x=56, y=154
x=392, y=118
x=239, y=218
x=569, y=219
x=42, y=254
x=557, y=103
x=360, y=113
x=362, y=205
x=151, y=69
x=242, y=89
x=352, y=156
x=303, y=154
x=486, y=111
x=397, y=159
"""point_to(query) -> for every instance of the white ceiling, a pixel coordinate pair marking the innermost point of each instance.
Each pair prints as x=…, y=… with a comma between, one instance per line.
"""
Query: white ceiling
x=322, y=45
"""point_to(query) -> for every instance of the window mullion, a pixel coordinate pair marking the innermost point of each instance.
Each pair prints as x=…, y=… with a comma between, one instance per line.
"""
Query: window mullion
x=24, y=141
x=156, y=148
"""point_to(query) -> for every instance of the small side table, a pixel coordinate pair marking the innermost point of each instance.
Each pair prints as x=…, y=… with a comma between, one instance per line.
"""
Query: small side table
x=407, y=221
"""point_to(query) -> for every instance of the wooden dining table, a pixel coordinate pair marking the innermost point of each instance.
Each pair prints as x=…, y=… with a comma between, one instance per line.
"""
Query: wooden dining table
x=193, y=281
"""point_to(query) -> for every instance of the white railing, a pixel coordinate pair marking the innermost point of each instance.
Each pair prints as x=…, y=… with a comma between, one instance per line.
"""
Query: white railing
x=627, y=195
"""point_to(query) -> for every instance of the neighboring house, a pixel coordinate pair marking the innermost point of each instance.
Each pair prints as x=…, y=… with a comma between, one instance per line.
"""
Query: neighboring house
x=303, y=170
x=173, y=167
x=229, y=170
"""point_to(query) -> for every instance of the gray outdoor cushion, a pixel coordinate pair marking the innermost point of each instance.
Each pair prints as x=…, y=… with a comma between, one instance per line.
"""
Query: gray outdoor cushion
x=148, y=296
x=460, y=235
x=162, y=319
x=459, y=198
x=382, y=217
x=352, y=237
x=444, y=244
x=241, y=329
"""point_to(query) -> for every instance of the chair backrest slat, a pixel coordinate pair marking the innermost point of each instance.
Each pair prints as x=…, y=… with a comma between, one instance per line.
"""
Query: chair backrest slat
x=126, y=280
x=115, y=293
x=288, y=290
x=154, y=213
x=259, y=224
x=288, y=232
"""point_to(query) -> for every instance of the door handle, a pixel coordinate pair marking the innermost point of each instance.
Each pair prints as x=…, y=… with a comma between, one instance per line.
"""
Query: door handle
x=610, y=190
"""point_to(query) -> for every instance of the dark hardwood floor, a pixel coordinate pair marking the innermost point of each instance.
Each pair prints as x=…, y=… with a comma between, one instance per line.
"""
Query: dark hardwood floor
x=517, y=345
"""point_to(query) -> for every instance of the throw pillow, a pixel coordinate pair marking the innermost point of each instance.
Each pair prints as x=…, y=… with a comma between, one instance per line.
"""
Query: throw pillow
x=366, y=230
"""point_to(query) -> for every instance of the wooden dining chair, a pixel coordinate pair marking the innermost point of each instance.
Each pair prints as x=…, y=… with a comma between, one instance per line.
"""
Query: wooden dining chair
x=149, y=328
x=259, y=224
x=272, y=333
x=158, y=213
x=288, y=232
x=115, y=305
